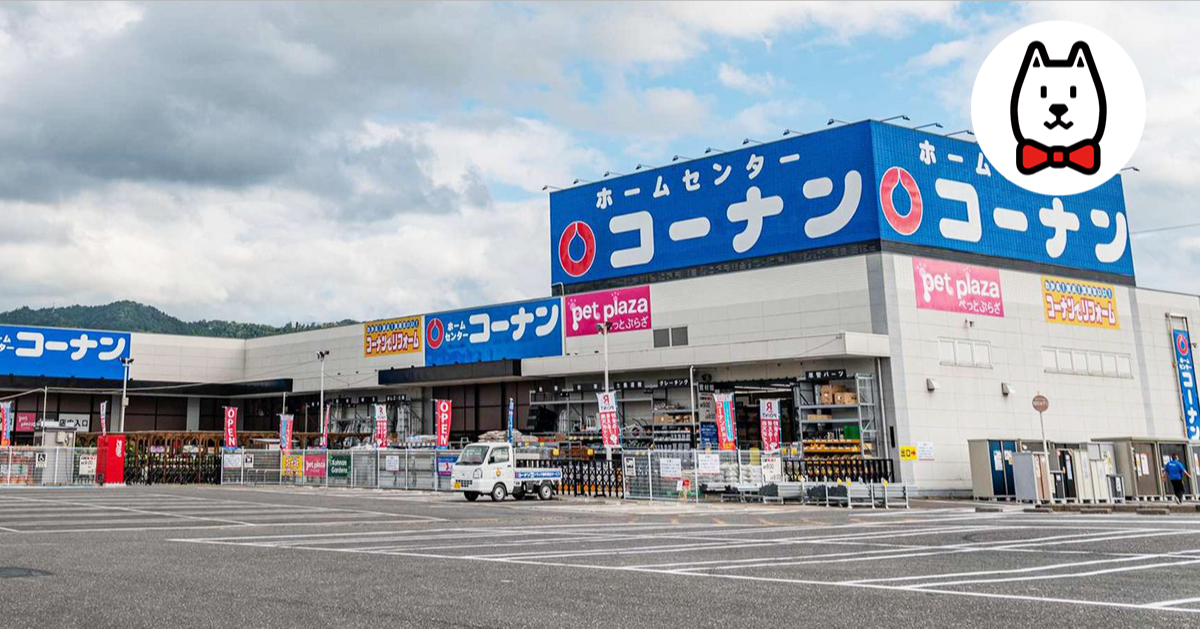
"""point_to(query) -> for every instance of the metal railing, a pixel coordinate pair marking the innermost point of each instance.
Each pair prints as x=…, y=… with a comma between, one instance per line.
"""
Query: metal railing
x=45, y=467
x=633, y=474
x=377, y=469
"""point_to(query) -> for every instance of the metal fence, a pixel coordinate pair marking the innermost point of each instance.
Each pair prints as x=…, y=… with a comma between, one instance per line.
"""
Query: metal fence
x=691, y=474
x=378, y=469
x=634, y=474
x=43, y=467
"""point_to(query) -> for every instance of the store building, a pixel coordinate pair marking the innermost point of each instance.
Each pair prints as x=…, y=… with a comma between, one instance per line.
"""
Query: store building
x=897, y=296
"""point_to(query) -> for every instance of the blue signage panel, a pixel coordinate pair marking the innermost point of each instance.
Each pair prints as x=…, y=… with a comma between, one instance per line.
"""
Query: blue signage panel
x=59, y=353
x=941, y=192
x=527, y=329
x=766, y=199
x=1187, y=382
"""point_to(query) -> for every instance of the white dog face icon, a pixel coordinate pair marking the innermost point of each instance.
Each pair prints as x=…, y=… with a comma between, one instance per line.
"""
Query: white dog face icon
x=1050, y=101
x=1058, y=111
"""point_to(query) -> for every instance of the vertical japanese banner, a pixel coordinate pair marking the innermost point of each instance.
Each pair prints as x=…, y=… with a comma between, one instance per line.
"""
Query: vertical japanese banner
x=231, y=414
x=441, y=415
x=768, y=416
x=610, y=429
x=381, y=426
x=103, y=418
x=4, y=423
x=285, y=432
x=511, y=413
x=1186, y=367
x=726, y=422
x=325, y=426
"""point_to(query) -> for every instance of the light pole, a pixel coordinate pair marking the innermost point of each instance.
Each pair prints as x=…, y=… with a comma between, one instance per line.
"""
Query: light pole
x=603, y=329
x=127, y=361
x=321, y=354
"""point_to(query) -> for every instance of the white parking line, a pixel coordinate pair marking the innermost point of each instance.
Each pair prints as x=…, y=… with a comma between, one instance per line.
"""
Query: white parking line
x=1168, y=604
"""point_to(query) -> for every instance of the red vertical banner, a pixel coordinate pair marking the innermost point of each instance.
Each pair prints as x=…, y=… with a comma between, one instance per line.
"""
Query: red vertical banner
x=441, y=414
x=768, y=416
x=381, y=426
x=231, y=414
x=103, y=418
x=325, y=426
x=4, y=421
x=285, y=433
x=726, y=421
x=610, y=427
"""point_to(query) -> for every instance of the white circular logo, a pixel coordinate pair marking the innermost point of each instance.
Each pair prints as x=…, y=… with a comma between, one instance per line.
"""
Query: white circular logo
x=1058, y=108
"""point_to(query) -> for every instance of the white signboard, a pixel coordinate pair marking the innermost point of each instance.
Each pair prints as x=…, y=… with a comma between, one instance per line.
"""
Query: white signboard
x=40, y=461
x=248, y=461
x=670, y=468
x=708, y=463
x=87, y=465
x=630, y=466
x=772, y=469
x=232, y=460
x=925, y=451
x=391, y=463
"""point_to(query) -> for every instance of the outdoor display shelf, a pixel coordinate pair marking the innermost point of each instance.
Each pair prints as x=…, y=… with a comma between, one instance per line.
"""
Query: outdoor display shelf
x=839, y=416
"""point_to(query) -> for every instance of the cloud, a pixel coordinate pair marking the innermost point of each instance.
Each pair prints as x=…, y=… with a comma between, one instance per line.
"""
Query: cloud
x=277, y=161
x=733, y=78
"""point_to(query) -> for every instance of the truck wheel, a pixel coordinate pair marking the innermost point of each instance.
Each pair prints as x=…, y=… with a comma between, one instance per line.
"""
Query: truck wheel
x=471, y=496
x=545, y=492
x=499, y=492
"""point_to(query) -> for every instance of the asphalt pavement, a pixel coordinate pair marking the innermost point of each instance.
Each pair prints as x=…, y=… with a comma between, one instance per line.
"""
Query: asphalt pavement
x=297, y=557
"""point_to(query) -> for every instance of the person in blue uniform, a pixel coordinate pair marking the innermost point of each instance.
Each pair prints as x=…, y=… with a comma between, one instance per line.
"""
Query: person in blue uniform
x=1175, y=471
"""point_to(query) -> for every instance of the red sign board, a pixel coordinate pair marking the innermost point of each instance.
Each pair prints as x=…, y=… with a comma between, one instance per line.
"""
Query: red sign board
x=441, y=412
x=610, y=429
x=625, y=310
x=231, y=414
x=955, y=287
x=26, y=422
x=314, y=465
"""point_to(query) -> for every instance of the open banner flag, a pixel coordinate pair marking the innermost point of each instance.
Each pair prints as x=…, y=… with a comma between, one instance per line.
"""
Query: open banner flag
x=231, y=414
x=441, y=413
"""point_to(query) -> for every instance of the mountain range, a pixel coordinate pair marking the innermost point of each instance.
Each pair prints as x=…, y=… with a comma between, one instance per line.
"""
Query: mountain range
x=131, y=316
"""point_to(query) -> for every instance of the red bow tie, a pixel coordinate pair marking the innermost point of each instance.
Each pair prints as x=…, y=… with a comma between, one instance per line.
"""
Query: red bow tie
x=1082, y=156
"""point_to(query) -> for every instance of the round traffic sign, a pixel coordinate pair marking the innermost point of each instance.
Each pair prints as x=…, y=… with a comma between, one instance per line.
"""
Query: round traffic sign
x=1040, y=403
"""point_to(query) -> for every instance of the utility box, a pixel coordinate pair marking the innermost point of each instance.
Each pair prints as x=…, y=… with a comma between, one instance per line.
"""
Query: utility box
x=110, y=460
x=992, y=468
x=1031, y=477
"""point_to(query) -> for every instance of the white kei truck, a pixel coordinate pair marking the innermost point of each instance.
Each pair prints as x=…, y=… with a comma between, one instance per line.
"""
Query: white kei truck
x=491, y=468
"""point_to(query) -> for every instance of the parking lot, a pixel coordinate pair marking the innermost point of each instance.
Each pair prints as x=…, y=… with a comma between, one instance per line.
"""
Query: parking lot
x=297, y=557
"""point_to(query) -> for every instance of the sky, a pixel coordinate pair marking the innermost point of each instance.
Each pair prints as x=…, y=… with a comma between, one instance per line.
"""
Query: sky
x=319, y=161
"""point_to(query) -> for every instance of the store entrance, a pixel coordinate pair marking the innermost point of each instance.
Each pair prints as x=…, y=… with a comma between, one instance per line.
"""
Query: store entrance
x=748, y=396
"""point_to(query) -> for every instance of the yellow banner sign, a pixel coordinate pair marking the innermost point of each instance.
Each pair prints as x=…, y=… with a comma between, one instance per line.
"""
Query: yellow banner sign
x=908, y=453
x=389, y=337
x=1075, y=302
x=291, y=465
